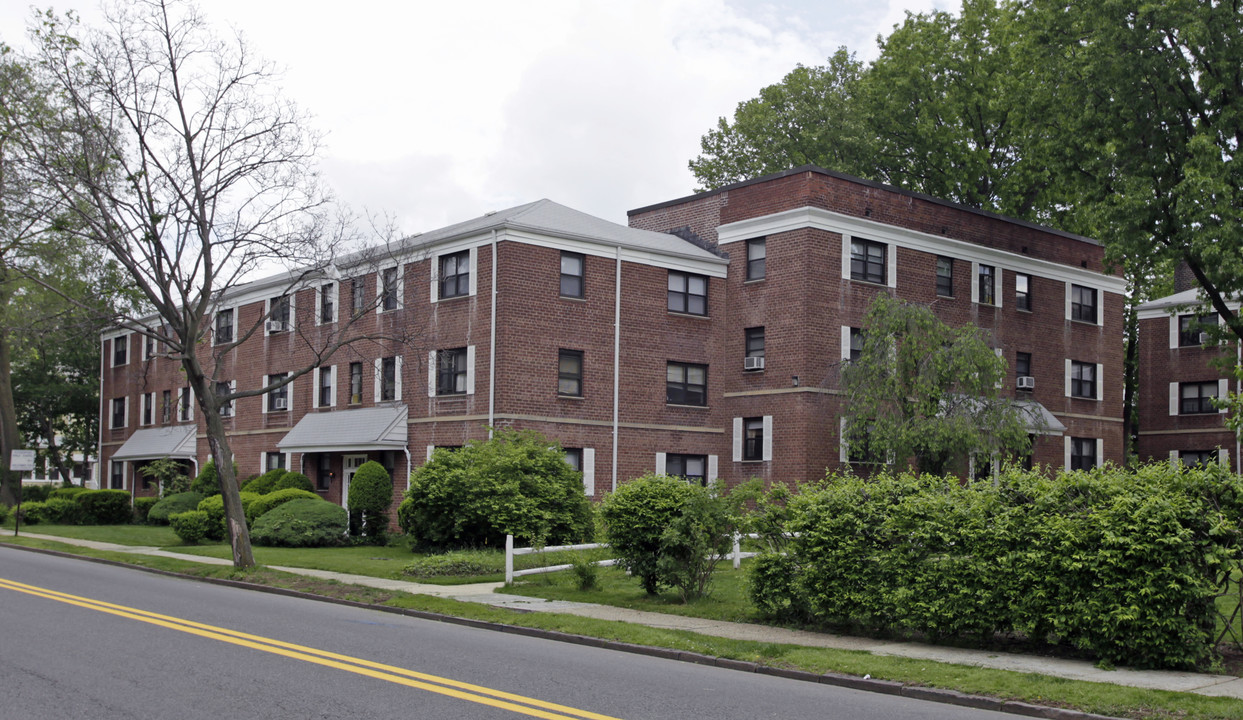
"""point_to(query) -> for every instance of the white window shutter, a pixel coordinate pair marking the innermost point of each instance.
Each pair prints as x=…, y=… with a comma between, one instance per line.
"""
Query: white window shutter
x=1223, y=389
x=845, y=342
x=1067, y=377
x=843, y=453
x=431, y=373
x=1173, y=398
x=660, y=463
x=1100, y=452
x=1100, y=381
x=737, y=439
x=893, y=265
x=379, y=371
x=474, y=270
x=1174, y=461
x=998, y=293
x=1068, y=293
x=768, y=438
x=332, y=380
x=126, y=423
x=713, y=468
x=589, y=471
x=845, y=257
x=1173, y=331
x=1066, y=463
x=397, y=379
x=470, y=369
x=435, y=276
x=315, y=380
x=1223, y=456
x=1001, y=382
x=975, y=282
x=430, y=449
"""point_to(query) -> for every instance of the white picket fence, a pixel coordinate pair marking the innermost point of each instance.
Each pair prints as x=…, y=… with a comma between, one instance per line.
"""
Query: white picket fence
x=736, y=554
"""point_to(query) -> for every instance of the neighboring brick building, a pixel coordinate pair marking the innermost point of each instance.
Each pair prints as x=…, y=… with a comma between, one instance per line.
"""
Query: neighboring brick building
x=741, y=300
x=1178, y=379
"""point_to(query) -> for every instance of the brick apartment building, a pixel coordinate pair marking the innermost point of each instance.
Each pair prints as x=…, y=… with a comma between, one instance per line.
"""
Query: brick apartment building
x=1178, y=381
x=741, y=301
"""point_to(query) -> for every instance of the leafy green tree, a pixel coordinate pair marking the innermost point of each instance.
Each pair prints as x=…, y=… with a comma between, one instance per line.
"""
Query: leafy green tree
x=924, y=390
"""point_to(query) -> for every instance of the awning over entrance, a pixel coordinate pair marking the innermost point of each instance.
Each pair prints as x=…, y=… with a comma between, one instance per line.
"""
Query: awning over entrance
x=174, y=441
x=1039, y=420
x=378, y=428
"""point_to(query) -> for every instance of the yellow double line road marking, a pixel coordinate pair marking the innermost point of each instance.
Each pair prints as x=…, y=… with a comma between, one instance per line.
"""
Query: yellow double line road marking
x=358, y=666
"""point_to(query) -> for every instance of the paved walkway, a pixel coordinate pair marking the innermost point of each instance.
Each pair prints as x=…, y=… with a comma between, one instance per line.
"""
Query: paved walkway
x=485, y=593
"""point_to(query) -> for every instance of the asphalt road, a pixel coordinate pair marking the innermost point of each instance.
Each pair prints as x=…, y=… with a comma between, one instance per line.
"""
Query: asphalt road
x=169, y=648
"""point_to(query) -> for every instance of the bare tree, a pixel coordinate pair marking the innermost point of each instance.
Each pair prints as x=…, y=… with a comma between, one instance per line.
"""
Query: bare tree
x=177, y=154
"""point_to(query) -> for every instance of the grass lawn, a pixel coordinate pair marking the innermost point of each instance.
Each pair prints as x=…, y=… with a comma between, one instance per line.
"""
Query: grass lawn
x=152, y=535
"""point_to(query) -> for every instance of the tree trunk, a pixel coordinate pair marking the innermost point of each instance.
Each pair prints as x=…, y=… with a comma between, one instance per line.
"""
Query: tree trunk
x=234, y=514
x=1130, y=375
x=10, y=482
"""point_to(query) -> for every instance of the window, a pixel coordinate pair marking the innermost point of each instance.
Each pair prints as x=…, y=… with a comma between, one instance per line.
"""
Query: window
x=388, y=289
x=755, y=347
x=987, y=280
x=388, y=379
x=691, y=467
x=166, y=407
x=1023, y=292
x=1082, y=453
x=867, y=261
x=455, y=274
x=116, y=479
x=1192, y=458
x=757, y=253
x=356, y=383
x=323, y=472
x=1083, y=304
x=570, y=373
x=572, y=275
x=686, y=384
x=325, y=387
x=328, y=303
x=224, y=388
x=451, y=372
x=856, y=344
x=274, y=461
x=688, y=293
x=1022, y=364
x=120, y=350
x=279, y=314
x=358, y=295
x=753, y=438
x=574, y=458
x=224, y=326
x=1196, y=398
x=945, y=276
x=278, y=398
x=1190, y=327
x=1083, y=380
x=148, y=409
x=185, y=409
x=118, y=413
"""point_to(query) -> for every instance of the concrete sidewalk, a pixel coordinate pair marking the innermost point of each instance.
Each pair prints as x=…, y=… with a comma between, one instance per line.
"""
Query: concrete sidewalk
x=485, y=593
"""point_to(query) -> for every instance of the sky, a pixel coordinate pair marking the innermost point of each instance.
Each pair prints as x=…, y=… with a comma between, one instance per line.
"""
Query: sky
x=438, y=112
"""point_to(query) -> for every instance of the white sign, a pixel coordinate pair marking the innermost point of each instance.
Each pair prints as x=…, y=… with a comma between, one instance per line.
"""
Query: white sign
x=23, y=460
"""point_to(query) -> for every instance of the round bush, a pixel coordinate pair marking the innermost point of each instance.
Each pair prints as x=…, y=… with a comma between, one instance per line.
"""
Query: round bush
x=261, y=505
x=191, y=526
x=105, y=507
x=32, y=513
x=302, y=523
x=214, y=507
x=208, y=480
x=63, y=511
x=142, y=506
x=371, y=494
x=516, y=483
x=294, y=481
x=265, y=483
x=181, y=502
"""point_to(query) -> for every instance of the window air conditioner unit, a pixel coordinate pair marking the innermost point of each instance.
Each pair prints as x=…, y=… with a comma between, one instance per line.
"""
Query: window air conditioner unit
x=280, y=403
x=753, y=363
x=276, y=326
x=1026, y=382
x=1204, y=338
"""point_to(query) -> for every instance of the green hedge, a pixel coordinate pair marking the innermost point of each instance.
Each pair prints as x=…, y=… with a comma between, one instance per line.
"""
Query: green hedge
x=261, y=505
x=191, y=526
x=265, y=483
x=294, y=481
x=302, y=523
x=214, y=507
x=36, y=493
x=5, y=511
x=105, y=507
x=1120, y=564
x=142, y=506
x=33, y=513
x=166, y=507
x=70, y=492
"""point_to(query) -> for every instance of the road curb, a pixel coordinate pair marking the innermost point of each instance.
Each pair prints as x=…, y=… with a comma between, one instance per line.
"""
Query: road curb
x=865, y=683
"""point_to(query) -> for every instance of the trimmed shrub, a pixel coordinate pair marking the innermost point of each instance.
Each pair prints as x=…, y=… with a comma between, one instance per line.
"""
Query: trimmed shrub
x=5, y=511
x=32, y=513
x=294, y=481
x=191, y=526
x=105, y=507
x=181, y=502
x=36, y=493
x=265, y=483
x=371, y=494
x=142, y=506
x=263, y=504
x=69, y=492
x=208, y=480
x=302, y=523
x=214, y=507
x=458, y=562
x=63, y=511
x=516, y=483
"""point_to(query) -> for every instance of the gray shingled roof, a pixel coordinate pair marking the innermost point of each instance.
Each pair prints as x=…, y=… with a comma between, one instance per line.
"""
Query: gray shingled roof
x=377, y=428
x=175, y=441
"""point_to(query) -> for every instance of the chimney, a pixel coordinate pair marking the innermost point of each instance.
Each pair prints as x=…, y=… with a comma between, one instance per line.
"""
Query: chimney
x=1184, y=279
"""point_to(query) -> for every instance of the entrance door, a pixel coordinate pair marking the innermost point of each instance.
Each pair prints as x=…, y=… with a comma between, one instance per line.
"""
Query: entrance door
x=349, y=465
